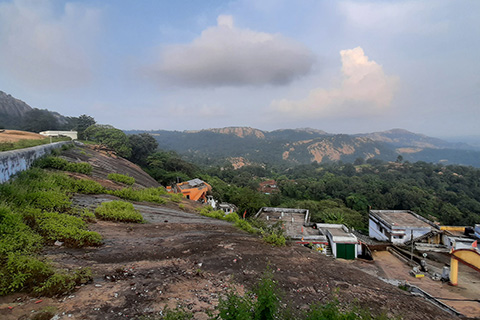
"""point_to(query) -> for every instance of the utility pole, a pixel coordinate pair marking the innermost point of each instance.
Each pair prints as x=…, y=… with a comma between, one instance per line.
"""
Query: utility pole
x=411, y=241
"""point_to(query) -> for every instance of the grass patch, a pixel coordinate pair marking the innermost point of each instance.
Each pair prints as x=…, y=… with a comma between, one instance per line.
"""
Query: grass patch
x=118, y=211
x=7, y=146
x=244, y=225
x=176, y=197
x=117, y=177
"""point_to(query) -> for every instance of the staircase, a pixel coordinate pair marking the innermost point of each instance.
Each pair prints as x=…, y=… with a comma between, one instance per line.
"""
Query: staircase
x=328, y=250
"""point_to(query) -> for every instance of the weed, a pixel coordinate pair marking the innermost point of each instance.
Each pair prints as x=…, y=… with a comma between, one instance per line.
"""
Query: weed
x=118, y=211
x=274, y=238
x=46, y=313
x=176, y=197
x=63, y=282
x=181, y=206
x=246, y=226
x=117, y=177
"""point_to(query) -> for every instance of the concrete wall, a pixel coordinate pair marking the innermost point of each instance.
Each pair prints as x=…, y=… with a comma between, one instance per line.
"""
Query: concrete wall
x=14, y=161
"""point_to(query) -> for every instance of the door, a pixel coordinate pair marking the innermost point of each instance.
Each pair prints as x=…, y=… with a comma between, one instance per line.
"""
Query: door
x=346, y=251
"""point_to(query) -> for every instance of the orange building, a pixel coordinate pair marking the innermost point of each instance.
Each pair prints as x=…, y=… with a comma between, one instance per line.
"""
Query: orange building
x=195, y=189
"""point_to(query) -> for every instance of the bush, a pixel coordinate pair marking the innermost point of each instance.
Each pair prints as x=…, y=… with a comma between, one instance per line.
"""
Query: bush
x=71, y=230
x=176, y=197
x=62, y=164
x=16, y=236
x=22, y=272
x=49, y=200
x=63, y=282
x=117, y=177
x=87, y=186
x=149, y=194
x=118, y=211
x=275, y=238
x=246, y=226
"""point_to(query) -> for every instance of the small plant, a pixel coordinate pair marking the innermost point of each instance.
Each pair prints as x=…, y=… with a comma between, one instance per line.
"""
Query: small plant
x=274, y=238
x=58, y=163
x=63, y=282
x=181, y=206
x=176, y=197
x=118, y=211
x=117, y=177
x=46, y=313
x=245, y=226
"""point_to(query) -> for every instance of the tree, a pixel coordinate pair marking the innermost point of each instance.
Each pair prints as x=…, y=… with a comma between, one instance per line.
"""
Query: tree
x=83, y=122
x=142, y=145
x=111, y=137
x=37, y=120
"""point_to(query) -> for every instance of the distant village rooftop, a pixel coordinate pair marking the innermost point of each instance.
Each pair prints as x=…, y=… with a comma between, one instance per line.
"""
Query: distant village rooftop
x=402, y=218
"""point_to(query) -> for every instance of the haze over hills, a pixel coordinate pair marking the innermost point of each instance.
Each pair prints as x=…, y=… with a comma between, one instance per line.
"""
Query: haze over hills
x=282, y=146
x=305, y=145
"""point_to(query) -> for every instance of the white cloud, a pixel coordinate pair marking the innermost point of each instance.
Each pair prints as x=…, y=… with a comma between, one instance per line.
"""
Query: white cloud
x=44, y=49
x=224, y=55
x=365, y=89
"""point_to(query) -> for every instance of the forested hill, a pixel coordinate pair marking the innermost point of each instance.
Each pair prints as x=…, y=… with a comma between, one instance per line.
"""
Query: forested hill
x=302, y=146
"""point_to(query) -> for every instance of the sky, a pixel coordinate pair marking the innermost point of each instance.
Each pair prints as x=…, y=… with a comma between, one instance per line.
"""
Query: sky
x=338, y=66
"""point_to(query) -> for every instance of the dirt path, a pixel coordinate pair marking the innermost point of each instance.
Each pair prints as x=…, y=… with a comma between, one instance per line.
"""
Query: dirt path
x=389, y=267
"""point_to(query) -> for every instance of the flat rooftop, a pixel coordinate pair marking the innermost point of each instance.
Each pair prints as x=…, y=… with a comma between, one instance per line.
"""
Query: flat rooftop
x=399, y=218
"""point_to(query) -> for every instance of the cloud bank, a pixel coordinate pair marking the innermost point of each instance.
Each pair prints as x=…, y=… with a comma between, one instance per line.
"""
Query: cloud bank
x=46, y=49
x=228, y=56
x=365, y=89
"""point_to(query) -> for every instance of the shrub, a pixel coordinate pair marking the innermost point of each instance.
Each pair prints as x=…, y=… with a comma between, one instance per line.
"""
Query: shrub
x=71, y=230
x=58, y=163
x=16, y=236
x=49, y=200
x=148, y=194
x=87, y=186
x=22, y=272
x=117, y=177
x=275, y=238
x=63, y=282
x=219, y=214
x=176, y=197
x=246, y=226
x=118, y=211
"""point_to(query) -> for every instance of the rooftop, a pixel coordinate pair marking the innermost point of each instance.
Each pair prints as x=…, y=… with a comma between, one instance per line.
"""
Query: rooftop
x=402, y=218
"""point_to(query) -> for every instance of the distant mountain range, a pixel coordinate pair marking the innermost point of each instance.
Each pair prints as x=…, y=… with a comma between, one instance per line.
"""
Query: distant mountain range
x=245, y=145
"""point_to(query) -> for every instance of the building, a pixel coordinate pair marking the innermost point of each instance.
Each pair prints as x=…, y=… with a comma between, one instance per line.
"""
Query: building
x=71, y=134
x=296, y=225
x=194, y=189
x=268, y=187
x=227, y=207
x=477, y=231
x=397, y=226
x=343, y=243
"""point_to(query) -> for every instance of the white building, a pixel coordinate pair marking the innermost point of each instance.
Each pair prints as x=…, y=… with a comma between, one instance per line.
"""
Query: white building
x=71, y=134
x=344, y=244
x=397, y=226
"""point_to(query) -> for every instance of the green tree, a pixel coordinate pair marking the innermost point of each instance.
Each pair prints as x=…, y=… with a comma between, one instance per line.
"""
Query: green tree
x=37, y=120
x=111, y=137
x=143, y=145
x=83, y=122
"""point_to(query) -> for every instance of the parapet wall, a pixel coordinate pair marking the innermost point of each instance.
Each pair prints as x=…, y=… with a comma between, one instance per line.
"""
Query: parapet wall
x=14, y=161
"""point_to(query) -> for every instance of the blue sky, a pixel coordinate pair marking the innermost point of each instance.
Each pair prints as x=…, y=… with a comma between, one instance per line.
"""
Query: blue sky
x=339, y=66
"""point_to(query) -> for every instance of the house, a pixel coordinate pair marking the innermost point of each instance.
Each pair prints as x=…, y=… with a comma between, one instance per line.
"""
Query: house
x=477, y=231
x=227, y=207
x=194, y=189
x=343, y=243
x=71, y=134
x=397, y=226
x=296, y=225
x=268, y=187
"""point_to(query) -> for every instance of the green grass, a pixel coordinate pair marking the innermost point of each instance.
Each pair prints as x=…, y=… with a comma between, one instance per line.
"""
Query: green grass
x=117, y=177
x=118, y=211
x=7, y=146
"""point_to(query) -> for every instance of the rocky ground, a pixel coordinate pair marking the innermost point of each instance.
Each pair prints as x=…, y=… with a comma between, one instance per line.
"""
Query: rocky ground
x=192, y=261
x=181, y=258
